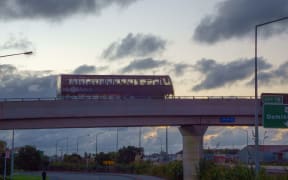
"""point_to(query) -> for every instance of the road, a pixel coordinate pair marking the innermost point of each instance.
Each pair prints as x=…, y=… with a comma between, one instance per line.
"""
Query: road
x=94, y=176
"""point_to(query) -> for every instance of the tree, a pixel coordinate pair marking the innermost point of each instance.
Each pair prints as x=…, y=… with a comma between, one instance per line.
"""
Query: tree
x=2, y=146
x=73, y=158
x=28, y=158
x=101, y=157
x=127, y=155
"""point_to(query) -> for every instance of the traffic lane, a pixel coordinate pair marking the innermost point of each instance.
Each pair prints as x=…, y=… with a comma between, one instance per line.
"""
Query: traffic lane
x=76, y=176
x=97, y=176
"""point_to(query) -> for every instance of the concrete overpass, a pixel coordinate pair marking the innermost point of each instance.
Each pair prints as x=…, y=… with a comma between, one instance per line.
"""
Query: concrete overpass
x=193, y=115
x=84, y=113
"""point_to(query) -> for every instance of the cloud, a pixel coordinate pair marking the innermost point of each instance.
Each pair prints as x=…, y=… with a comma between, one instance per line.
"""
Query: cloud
x=218, y=75
x=144, y=64
x=181, y=68
x=54, y=10
x=237, y=18
x=19, y=43
x=84, y=69
x=278, y=75
x=139, y=45
x=26, y=84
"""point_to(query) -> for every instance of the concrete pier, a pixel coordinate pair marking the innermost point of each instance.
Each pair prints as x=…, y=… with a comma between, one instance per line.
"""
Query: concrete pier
x=192, y=149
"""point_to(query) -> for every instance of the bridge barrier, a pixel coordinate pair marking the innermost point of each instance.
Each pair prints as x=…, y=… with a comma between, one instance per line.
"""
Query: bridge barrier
x=113, y=98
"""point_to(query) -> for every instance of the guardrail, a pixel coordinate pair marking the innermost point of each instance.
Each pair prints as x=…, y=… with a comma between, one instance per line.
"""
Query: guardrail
x=112, y=98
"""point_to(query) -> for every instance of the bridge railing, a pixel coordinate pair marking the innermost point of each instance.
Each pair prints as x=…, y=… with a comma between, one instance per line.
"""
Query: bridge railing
x=211, y=97
x=112, y=98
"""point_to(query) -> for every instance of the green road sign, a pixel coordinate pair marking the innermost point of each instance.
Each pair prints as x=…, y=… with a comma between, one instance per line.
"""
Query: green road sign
x=275, y=115
x=272, y=99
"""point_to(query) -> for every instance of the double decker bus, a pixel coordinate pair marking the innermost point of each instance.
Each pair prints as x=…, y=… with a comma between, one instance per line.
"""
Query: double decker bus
x=132, y=86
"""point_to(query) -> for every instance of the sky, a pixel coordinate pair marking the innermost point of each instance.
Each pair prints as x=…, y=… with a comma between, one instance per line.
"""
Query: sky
x=206, y=47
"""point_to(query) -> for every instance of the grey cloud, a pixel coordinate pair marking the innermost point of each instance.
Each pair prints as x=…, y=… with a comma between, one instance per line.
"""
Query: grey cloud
x=20, y=43
x=54, y=9
x=84, y=69
x=278, y=75
x=144, y=64
x=138, y=45
x=218, y=75
x=282, y=71
x=181, y=68
x=238, y=18
x=26, y=84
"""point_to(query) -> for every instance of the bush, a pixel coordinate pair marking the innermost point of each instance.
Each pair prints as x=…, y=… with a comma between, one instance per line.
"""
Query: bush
x=171, y=171
x=175, y=170
x=142, y=167
x=159, y=170
x=208, y=170
x=8, y=165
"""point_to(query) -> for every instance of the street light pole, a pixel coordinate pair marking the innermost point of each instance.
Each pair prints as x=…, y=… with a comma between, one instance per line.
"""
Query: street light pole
x=25, y=53
x=161, y=147
x=265, y=137
x=96, y=143
x=56, y=146
x=158, y=138
x=12, y=155
x=56, y=149
x=140, y=136
x=77, y=141
x=67, y=145
x=117, y=138
x=12, y=148
x=257, y=165
x=166, y=140
x=244, y=130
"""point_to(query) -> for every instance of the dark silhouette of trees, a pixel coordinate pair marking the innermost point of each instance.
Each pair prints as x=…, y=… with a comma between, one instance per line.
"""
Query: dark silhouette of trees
x=101, y=157
x=28, y=158
x=2, y=146
x=73, y=158
x=127, y=154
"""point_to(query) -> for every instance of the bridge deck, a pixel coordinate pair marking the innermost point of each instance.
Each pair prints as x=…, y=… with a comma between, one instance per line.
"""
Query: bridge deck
x=128, y=112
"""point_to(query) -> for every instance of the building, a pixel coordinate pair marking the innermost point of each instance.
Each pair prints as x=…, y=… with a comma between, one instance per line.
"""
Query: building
x=219, y=156
x=267, y=153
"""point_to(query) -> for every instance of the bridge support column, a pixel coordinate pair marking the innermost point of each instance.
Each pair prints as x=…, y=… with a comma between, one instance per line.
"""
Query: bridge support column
x=192, y=149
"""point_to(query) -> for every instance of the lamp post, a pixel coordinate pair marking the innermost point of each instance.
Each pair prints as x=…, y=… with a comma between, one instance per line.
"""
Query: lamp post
x=77, y=141
x=140, y=136
x=265, y=136
x=96, y=143
x=166, y=140
x=23, y=53
x=257, y=165
x=157, y=138
x=12, y=155
x=244, y=130
x=12, y=148
x=117, y=138
x=161, y=144
x=57, y=142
